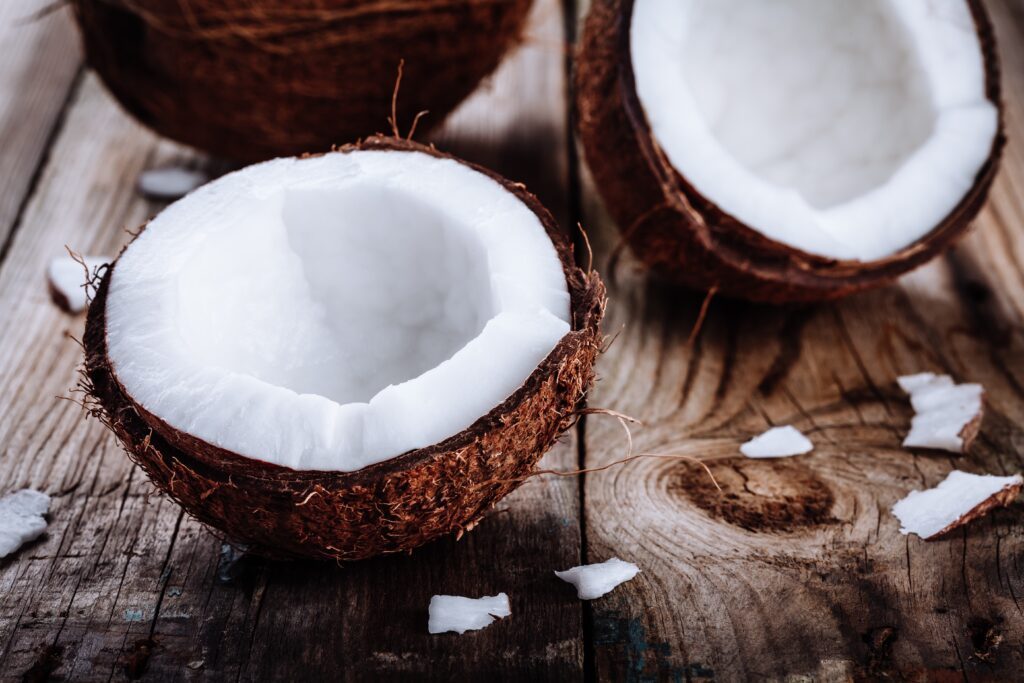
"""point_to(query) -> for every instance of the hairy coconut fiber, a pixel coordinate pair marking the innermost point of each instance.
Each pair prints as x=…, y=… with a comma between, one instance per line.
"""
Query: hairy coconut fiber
x=393, y=506
x=685, y=238
x=255, y=79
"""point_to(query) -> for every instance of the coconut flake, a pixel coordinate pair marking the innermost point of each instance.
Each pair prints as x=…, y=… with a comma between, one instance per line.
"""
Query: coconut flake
x=69, y=280
x=170, y=182
x=594, y=580
x=777, y=442
x=947, y=415
x=21, y=519
x=459, y=614
x=960, y=498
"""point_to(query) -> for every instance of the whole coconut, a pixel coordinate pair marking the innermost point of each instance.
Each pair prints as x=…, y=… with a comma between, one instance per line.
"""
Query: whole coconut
x=255, y=79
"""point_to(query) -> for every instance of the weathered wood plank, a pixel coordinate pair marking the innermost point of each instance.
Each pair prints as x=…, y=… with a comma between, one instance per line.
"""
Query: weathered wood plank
x=802, y=572
x=70, y=582
x=799, y=568
x=40, y=61
x=124, y=582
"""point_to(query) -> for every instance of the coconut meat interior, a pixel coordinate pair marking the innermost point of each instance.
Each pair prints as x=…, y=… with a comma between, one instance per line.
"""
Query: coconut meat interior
x=333, y=312
x=843, y=129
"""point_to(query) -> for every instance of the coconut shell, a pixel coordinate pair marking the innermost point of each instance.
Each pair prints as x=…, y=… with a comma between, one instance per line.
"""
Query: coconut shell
x=255, y=79
x=684, y=237
x=392, y=506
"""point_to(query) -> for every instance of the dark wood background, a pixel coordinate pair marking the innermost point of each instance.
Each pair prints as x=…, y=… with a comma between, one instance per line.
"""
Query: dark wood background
x=797, y=572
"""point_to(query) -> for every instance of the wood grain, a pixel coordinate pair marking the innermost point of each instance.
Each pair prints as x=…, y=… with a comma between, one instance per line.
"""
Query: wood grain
x=40, y=62
x=125, y=585
x=798, y=569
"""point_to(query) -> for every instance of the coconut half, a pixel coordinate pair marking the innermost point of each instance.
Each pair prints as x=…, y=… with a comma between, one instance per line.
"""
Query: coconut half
x=345, y=354
x=256, y=79
x=789, y=150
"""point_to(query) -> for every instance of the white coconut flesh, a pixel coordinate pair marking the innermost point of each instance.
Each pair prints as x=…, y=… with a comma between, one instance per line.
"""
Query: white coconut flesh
x=21, y=519
x=929, y=512
x=334, y=312
x=170, y=182
x=777, y=442
x=595, y=580
x=843, y=129
x=70, y=277
x=459, y=614
x=942, y=409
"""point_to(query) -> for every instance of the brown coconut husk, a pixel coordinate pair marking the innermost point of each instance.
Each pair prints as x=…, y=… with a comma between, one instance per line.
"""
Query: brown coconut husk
x=388, y=507
x=684, y=237
x=254, y=79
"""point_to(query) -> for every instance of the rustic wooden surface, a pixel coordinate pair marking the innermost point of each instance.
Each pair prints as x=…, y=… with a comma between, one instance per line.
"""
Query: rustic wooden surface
x=797, y=571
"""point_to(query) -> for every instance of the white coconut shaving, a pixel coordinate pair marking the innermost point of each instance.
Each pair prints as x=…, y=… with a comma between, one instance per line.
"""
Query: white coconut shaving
x=845, y=129
x=459, y=614
x=333, y=312
x=945, y=412
x=21, y=519
x=777, y=442
x=170, y=182
x=960, y=498
x=594, y=580
x=69, y=280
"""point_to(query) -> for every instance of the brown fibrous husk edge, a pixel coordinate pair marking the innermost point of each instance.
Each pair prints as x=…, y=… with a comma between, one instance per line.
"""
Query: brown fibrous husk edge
x=1000, y=499
x=254, y=79
x=969, y=432
x=392, y=506
x=685, y=238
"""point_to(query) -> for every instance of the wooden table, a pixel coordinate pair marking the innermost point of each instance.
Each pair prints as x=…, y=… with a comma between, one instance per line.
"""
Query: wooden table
x=797, y=570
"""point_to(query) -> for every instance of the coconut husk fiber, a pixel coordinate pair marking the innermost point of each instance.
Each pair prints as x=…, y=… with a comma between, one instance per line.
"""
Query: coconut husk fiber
x=389, y=507
x=255, y=79
x=682, y=236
